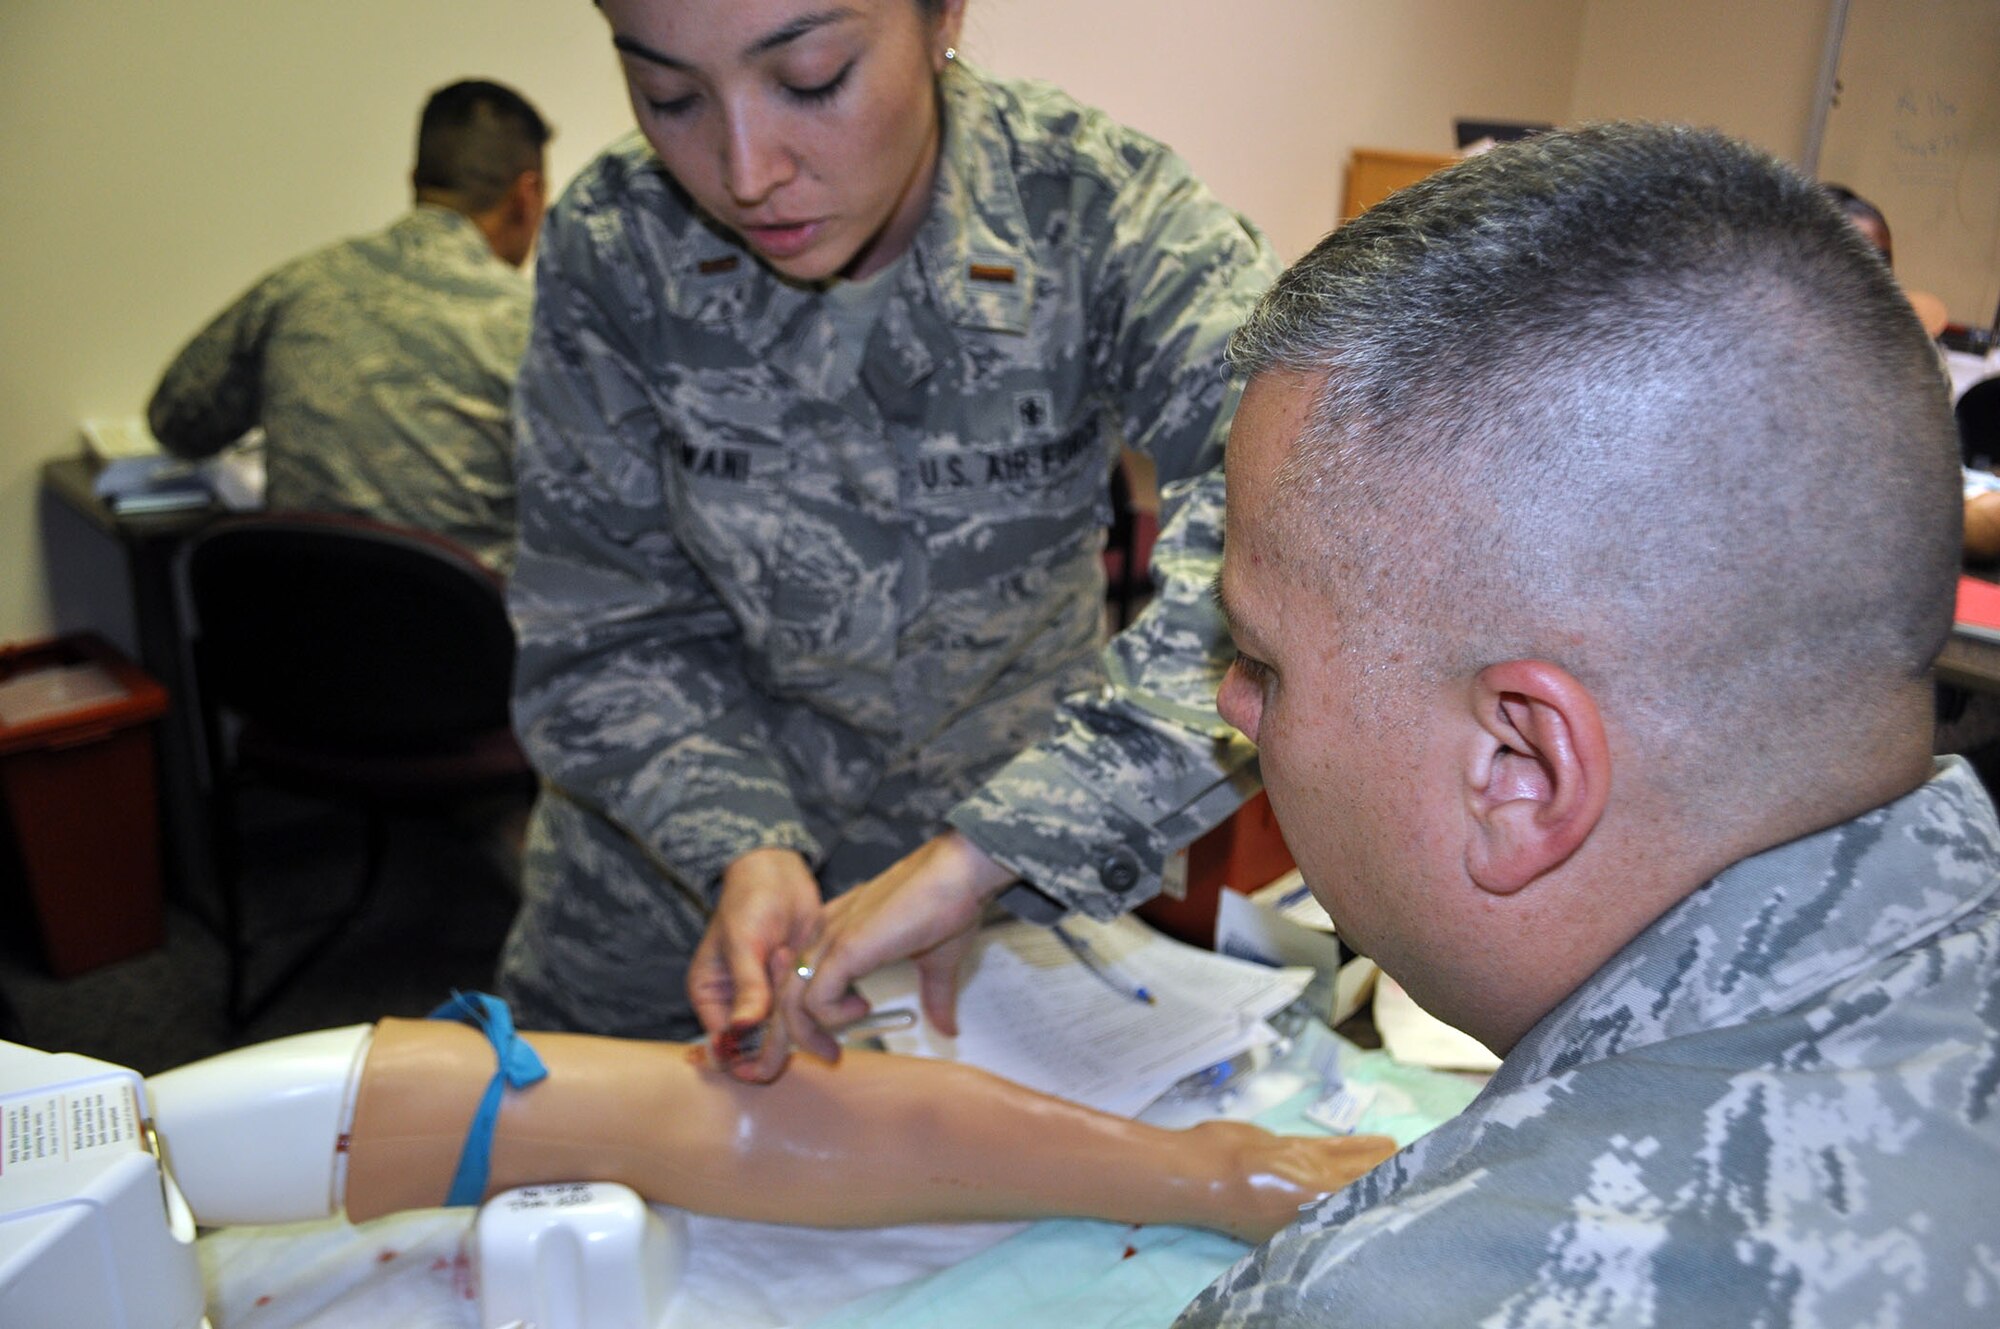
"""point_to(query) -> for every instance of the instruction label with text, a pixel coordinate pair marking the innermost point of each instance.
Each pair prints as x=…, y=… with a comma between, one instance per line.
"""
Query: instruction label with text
x=44, y=1128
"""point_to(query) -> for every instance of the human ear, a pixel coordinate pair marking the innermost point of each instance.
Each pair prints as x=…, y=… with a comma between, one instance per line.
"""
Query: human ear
x=950, y=21
x=525, y=198
x=1539, y=776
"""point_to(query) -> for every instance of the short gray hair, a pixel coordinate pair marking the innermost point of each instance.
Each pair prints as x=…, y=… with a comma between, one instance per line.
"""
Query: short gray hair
x=1636, y=397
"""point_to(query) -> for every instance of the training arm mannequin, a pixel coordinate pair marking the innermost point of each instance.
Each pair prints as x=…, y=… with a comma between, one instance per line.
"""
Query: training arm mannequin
x=874, y=1140
x=1982, y=526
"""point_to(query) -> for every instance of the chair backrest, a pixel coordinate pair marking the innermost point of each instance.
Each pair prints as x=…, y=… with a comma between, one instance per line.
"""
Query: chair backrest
x=1978, y=413
x=344, y=631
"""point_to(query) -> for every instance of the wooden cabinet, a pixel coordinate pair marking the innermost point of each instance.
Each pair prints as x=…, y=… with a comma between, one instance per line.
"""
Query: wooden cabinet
x=1375, y=173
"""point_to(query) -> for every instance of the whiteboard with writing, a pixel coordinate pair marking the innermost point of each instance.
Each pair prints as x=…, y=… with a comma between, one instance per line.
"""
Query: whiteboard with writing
x=1914, y=127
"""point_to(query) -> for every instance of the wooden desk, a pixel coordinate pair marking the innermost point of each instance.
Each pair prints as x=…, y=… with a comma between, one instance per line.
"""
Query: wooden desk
x=149, y=545
x=1375, y=173
x=1968, y=712
x=1970, y=663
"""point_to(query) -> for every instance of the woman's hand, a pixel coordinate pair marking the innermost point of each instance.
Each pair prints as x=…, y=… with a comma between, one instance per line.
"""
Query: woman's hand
x=924, y=907
x=769, y=906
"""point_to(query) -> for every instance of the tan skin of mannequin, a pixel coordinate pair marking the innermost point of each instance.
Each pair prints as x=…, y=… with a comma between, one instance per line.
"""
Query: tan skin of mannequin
x=875, y=1140
x=1982, y=527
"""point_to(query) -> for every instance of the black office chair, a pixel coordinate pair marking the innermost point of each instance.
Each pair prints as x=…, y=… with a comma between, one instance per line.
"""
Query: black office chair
x=342, y=659
x=1978, y=413
x=1128, y=550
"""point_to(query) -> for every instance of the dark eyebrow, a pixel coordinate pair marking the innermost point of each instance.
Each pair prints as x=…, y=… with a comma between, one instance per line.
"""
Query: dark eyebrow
x=770, y=41
x=646, y=53
x=798, y=28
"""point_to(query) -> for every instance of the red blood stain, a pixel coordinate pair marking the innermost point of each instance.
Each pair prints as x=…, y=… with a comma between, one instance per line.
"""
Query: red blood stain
x=384, y=1256
x=440, y=1264
x=264, y=1300
x=1130, y=1251
x=738, y=1043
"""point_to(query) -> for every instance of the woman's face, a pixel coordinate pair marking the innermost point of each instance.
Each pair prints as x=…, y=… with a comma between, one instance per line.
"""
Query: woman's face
x=807, y=127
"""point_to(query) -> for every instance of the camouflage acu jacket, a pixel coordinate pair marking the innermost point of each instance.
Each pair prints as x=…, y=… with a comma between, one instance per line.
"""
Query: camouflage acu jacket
x=1775, y=1107
x=755, y=611
x=380, y=369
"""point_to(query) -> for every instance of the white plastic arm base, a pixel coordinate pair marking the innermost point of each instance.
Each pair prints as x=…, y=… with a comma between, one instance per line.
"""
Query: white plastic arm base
x=587, y=1255
x=253, y=1136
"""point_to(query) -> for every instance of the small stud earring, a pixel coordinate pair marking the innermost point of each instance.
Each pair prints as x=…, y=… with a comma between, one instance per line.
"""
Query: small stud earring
x=951, y=53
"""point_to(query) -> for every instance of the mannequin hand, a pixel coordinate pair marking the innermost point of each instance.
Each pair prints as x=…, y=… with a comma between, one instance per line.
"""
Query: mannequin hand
x=1267, y=1177
x=925, y=907
x=769, y=904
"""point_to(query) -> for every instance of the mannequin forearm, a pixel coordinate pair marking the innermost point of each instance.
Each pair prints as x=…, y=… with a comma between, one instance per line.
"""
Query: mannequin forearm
x=875, y=1140
x=1982, y=526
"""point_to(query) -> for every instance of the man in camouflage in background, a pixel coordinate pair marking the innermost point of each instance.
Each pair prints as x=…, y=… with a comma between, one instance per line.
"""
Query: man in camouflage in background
x=380, y=368
x=1593, y=522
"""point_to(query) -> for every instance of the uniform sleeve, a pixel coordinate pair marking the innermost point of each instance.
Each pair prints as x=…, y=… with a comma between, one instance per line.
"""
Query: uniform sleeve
x=1145, y=765
x=212, y=394
x=631, y=695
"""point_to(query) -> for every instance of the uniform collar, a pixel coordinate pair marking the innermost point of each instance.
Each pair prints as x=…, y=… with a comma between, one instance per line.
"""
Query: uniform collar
x=1778, y=929
x=974, y=245
x=436, y=224
x=712, y=277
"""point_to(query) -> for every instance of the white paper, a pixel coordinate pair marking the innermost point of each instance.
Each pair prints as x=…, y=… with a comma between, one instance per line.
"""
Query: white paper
x=1029, y=1011
x=108, y=438
x=1251, y=930
x=56, y=690
x=1415, y=1037
x=1341, y=1108
x=1284, y=924
x=1294, y=902
x=237, y=477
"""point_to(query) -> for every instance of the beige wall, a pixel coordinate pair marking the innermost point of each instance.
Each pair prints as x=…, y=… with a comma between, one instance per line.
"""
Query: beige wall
x=1745, y=66
x=1267, y=105
x=159, y=157
x=1917, y=133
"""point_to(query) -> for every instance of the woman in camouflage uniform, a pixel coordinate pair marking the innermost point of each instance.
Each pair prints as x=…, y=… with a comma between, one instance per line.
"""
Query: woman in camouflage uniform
x=831, y=363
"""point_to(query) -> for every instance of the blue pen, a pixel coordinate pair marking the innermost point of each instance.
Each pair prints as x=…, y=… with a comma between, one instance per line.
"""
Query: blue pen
x=1086, y=955
x=1220, y=1074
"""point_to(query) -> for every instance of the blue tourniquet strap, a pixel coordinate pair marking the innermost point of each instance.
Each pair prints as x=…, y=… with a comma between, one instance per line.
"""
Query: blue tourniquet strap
x=519, y=1068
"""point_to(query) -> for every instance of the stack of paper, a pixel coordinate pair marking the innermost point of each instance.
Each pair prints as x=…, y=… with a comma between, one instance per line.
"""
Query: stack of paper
x=110, y=438
x=1030, y=1010
x=57, y=690
x=1415, y=1037
x=1283, y=924
x=153, y=484
x=135, y=476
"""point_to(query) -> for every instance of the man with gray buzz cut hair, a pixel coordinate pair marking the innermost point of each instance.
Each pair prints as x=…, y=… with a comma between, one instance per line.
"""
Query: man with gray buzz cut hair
x=1592, y=526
